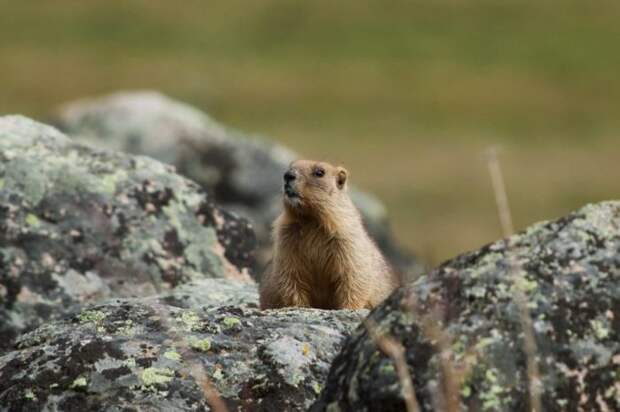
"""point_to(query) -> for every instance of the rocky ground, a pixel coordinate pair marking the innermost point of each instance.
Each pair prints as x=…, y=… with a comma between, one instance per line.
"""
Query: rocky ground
x=159, y=353
x=79, y=225
x=567, y=274
x=125, y=286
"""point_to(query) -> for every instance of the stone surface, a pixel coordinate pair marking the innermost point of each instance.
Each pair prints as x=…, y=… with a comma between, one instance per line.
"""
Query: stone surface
x=153, y=353
x=568, y=272
x=79, y=225
x=243, y=172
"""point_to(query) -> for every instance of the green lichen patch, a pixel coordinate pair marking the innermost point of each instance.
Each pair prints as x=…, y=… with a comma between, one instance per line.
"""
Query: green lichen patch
x=110, y=181
x=231, y=321
x=202, y=345
x=94, y=316
x=128, y=328
x=172, y=355
x=190, y=320
x=600, y=329
x=387, y=368
x=79, y=382
x=32, y=220
x=156, y=376
x=316, y=387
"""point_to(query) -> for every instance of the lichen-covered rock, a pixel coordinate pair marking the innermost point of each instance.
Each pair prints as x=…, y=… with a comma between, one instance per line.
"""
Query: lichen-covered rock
x=78, y=225
x=150, y=354
x=208, y=292
x=243, y=172
x=568, y=275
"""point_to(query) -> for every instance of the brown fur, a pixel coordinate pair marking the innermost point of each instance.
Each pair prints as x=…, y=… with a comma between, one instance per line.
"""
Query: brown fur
x=322, y=256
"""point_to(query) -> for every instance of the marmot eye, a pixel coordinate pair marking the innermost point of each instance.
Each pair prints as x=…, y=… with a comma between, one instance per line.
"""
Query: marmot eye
x=319, y=172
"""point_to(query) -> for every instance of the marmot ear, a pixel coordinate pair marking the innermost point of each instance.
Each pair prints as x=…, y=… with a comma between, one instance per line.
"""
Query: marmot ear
x=341, y=177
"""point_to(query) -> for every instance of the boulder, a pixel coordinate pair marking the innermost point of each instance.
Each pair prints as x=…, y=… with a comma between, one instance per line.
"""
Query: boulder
x=79, y=225
x=464, y=327
x=185, y=350
x=243, y=172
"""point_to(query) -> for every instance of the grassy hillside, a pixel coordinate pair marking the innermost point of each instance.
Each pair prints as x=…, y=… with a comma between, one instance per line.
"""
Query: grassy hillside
x=407, y=94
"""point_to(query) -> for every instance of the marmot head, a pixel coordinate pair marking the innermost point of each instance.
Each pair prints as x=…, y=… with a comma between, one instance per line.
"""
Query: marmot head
x=309, y=186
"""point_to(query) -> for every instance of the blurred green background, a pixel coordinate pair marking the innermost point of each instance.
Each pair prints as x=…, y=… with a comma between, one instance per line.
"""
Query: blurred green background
x=406, y=94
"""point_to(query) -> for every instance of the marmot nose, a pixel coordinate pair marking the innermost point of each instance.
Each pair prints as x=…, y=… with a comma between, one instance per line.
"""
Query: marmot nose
x=289, y=176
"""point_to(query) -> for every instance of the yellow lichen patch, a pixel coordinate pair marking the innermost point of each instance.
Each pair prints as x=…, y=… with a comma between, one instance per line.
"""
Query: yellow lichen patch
x=79, y=382
x=152, y=376
x=32, y=220
x=466, y=391
x=231, y=321
x=94, y=316
x=108, y=182
x=190, y=320
x=172, y=355
x=492, y=396
x=128, y=329
x=202, y=345
x=599, y=329
x=524, y=284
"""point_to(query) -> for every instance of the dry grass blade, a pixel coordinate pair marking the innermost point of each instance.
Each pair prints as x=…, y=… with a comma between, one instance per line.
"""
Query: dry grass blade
x=529, y=346
x=501, y=198
x=395, y=350
x=451, y=384
x=213, y=397
x=529, y=340
x=447, y=398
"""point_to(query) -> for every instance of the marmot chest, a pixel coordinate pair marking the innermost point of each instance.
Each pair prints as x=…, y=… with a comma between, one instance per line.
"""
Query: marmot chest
x=323, y=258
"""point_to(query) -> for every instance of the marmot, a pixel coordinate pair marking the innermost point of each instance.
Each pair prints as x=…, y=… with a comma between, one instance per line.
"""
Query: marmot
x=323, y=257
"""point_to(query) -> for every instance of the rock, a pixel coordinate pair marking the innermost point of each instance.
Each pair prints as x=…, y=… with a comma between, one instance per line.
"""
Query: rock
x=79, y=225
x=159, y=353
x=208, y=292
x=568, y=273
x=244, y=172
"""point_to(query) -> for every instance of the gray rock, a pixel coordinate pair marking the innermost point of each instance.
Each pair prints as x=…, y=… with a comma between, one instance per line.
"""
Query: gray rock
x=156, y=354
x=79, y=225
x=208, y=292
x=243, y=172
x=568, y=272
